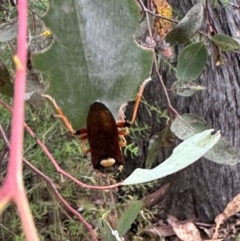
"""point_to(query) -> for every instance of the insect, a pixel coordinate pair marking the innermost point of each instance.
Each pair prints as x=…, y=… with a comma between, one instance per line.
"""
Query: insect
x=105, y=136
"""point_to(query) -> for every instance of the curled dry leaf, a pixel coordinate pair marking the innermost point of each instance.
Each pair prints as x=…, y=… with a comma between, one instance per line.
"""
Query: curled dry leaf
x=171, y=219
x=219, y=239
x=232, y=207
x=187, y=231
x=218, y=220
x=162, y=231
x=207, y=228
x=155, y=197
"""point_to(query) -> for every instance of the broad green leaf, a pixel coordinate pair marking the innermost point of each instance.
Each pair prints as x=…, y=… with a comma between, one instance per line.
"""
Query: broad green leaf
x=223, y=152
x=187, y=27
x=6, y=86
x=105, y=229
x=163, y=139
x=183, y=155
x=191, y=61
x=225, y=43
x=128, y=217
x=93, y=55
x=186, y=88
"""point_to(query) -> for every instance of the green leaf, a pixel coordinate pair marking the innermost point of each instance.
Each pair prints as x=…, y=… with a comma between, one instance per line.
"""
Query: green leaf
x=187, y=27
x=223, y=152
x=128, y=217
x=93, y=55
x=183, y=155
x=186, y=88
x=191, y=61
x=105, y=229
x=225, y=43
x=163, y=139
x=6, y=86
x=188, y=126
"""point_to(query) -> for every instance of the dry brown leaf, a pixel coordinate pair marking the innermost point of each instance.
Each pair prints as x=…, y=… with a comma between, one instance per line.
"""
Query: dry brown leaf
x=213, y=239
x=232, y=207
x=162, y=231
x=218, y=220
x=155, y=197
x=187, y=231
x=207, y=230
x=171, y=219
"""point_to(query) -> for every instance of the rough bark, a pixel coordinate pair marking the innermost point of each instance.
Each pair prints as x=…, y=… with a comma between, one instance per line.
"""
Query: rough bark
x=203, y=189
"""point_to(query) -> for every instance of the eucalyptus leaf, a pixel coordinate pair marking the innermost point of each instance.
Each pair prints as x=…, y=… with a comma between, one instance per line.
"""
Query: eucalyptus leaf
x=188, y=26
x=105, y=229
x=186, y=88
x=188, y=126
x=223, y=152
x=183, y=155
x=225, y=43
x=163, y=139
x=191, y=61
x=128, y=217
x=94, y=56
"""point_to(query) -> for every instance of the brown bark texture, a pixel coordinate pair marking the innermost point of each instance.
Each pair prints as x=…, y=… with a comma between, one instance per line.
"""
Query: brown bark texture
x=203, y=189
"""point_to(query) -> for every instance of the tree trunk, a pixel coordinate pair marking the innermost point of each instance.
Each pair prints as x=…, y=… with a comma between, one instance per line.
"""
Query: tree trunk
x=203, y=189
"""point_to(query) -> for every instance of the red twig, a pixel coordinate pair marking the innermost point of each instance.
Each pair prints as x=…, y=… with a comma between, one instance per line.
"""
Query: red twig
x=51, y=183
x=62, y=200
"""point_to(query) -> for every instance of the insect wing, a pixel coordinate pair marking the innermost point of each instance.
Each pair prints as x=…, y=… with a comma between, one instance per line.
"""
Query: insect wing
x=103, y=135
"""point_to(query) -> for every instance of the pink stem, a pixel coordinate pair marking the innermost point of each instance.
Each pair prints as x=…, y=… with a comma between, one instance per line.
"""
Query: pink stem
x=16, y=140
x=14, y=183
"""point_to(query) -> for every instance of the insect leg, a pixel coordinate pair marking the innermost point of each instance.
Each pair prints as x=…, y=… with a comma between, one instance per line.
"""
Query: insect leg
x=122, y=131
x=121, y=112
x=122, y=141
x=82, y=136
x=60, y=114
